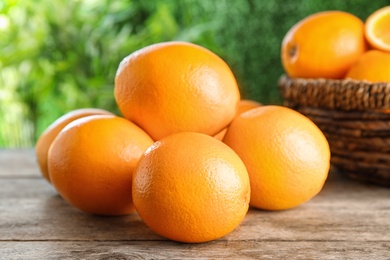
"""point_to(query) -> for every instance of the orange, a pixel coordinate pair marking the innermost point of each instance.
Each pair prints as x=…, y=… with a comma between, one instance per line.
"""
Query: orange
x=190, y=187
x=44, y=141
x=373, y=66
x=377, y=29
x=323, y=45
x=243, y=106
x=219, y=136
x=286, y=155
x=91, y=163
x=172, y=87
x=247, y=104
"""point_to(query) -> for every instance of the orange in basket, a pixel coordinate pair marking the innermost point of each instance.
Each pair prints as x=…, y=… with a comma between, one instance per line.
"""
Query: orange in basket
x=377, y=29
x=373, y=66
x=323, y=45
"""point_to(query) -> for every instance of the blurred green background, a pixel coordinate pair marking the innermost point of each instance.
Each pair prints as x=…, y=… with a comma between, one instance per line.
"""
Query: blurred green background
x=60, y=55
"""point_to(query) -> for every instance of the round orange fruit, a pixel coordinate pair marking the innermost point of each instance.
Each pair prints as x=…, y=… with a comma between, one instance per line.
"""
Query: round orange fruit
x=47, y=137
x=91, y=163
x=323, y=45
x=373, y=66
x=377, y=29
x=172, y=87
x=190, y=187
x=286, y=155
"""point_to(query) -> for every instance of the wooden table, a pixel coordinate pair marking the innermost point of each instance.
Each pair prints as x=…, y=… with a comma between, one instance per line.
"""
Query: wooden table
x=347, y=220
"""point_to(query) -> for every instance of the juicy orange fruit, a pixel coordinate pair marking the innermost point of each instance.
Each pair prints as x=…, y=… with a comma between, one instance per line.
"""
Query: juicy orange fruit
x=377, y=29
x=323, y=45
x=286, y=155
x=190, y=187
x=172, y=87
x=243, y=106
x=373, y=66
x=47, y=137
x=91, y=163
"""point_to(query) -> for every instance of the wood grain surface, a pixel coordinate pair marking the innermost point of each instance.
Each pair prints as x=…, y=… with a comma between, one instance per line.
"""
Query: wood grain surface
x=347, y=220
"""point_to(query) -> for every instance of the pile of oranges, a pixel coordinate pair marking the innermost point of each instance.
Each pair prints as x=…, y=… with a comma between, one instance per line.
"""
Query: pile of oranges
x=189, y=155
x=339, y=45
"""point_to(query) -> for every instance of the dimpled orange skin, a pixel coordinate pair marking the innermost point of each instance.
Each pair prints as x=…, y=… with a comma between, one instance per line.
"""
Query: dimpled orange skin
x=243, y=106
x=323, y=45
x=373, y=66
x=190, y=187
x=173, y=87
x=47, y=137
x=91, y=163
x=286, y=155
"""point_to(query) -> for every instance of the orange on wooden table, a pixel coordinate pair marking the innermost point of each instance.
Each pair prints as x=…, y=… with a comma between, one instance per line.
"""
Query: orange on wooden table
x=172, y=87
x=373, y=66
x=286, y=155
x=190, y=187
x=377, y=29
x=91, y=163
x=323, y=45
x=47, y=137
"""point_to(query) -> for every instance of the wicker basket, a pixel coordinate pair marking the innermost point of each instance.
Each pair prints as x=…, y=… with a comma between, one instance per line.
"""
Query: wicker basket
x=351, y=115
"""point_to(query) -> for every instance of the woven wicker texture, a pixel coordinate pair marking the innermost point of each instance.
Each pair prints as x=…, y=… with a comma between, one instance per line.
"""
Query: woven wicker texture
x=336, y=94
x=350, y=114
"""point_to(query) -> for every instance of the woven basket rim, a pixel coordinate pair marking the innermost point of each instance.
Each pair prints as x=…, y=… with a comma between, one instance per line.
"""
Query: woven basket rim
x=339, y=94
x=337, y=81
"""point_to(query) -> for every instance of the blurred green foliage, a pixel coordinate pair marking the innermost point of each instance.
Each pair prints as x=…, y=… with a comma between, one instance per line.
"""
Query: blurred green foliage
x=59, y=55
